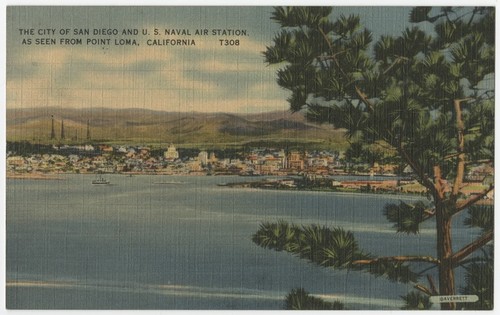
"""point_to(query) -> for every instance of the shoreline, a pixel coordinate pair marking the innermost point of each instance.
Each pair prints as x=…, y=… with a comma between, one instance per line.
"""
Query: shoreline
x=251, y=185
x=34, y=176
x=362, y=187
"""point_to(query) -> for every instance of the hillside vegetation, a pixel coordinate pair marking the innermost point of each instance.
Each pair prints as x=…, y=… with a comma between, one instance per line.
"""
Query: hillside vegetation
x=142, y=126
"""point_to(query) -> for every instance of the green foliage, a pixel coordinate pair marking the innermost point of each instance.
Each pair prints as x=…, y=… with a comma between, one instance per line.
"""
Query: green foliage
x=402, y=91
x=393, y=271
x=479, y=140
x=278, y=236
x=370, y=153
x=420, y=14
x=416, y=301
x=331, y=248
x=346, y=26
x=479, y=280
x=298, y=16
x=403, y=94
x=25, y=148
x=406, y=217
x=299, y=299
x=480, y=216
x=325, y=247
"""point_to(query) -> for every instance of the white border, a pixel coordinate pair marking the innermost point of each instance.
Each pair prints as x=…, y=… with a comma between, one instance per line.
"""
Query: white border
x=194, y=3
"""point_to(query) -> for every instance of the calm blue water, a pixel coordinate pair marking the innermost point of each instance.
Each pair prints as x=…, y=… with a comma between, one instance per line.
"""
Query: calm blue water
x=165, y=242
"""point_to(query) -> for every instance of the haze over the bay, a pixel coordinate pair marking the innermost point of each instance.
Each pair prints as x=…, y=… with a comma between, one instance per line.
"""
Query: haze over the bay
x=205, y=77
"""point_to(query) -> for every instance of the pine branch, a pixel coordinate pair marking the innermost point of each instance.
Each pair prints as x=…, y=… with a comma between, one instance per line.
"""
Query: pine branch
x=426, y=259
x=430, y=212
x=407, y=217
x=474, y=162
x=364, y=98
x=334, y=55
x=461, y=148
x=472, y=16
x=398, y=60
x=427, y=269
x=429, y=291
x=423, y=289
x=434, y=290
x=331, y=57
x=468, y=202
x=477, y=162
x=425, y=180
x=328, y=42
x=360, y=94
x=472, y=247
x=451, y=156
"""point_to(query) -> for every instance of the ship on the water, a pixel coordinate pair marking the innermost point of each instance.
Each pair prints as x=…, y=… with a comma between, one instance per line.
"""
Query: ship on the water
x=100, y=181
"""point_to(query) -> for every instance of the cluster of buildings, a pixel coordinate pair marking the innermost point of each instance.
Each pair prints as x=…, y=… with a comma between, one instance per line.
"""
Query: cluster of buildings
x=315, y=166
x=129, y=159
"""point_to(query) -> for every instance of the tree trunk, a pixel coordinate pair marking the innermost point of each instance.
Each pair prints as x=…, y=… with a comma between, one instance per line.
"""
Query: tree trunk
x=444, y=214
x=445, y=254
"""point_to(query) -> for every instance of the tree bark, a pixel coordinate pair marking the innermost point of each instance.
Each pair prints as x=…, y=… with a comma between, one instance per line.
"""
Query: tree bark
x=444, y=248
x=445, y=255
x=461, y=148
x=472, y=247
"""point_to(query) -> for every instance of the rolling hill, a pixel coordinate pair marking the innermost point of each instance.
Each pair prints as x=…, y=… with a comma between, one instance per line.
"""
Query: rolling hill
x=143, y=126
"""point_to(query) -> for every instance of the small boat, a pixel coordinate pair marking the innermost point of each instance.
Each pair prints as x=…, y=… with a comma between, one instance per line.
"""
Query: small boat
x=100, y=181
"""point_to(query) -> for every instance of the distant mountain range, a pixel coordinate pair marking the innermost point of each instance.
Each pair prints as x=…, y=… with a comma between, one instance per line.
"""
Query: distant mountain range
x=144, y=126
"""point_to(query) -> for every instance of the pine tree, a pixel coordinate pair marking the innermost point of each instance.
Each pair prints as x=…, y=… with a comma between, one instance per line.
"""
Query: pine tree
x=429, y=97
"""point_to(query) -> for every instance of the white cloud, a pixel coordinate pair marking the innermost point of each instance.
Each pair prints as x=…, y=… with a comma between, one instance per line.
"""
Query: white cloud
x=190, y=78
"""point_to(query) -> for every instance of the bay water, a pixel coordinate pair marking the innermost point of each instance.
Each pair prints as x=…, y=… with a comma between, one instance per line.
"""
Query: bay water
x=184, y=242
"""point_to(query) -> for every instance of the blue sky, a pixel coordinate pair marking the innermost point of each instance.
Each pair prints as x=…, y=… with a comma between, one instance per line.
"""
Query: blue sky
x=205, y=77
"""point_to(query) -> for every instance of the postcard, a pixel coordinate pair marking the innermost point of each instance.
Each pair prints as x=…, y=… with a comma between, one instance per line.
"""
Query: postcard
x=249, y=157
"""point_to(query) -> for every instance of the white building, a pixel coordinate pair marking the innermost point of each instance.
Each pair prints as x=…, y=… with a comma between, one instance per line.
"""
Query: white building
x=213, y=158
x=171, y=153
x=203, y=157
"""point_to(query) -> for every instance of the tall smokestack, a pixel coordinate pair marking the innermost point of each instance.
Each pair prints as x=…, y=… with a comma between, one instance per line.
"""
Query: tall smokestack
x=88, y=129
x=62, y=129
x=52, y=133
